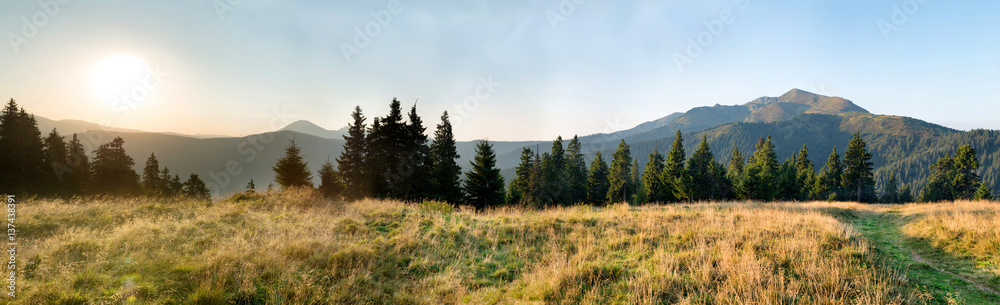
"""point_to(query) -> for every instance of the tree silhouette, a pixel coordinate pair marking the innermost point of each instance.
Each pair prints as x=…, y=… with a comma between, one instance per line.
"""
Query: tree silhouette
x=483, y=183
x=352, y=160
x=112, y=170
x=445, y=171
x=331, y=184
x=291, y=170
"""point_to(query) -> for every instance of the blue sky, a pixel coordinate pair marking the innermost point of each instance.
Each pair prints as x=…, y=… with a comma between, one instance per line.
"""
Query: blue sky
x=541, y=68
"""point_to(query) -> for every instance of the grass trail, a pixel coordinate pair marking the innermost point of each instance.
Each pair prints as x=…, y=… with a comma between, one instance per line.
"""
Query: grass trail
x=948, y=278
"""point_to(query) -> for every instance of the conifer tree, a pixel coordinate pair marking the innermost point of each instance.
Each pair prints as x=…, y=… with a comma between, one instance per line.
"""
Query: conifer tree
x=387, y=153
x=519, y=189
x=787, y=187
x=22, y=163
x=330, y=185
x=699, y=172
x=291, y=170
x=483, y=183
x=79, y=167
x=905, y=194
x=940, y=183
x=151, y=183
x=831, y=175
x=194, y=187
x=858, y=177
x=445, y=171
x=890, y=192
x=639, y=197
x=983, y=192
x=113, y=173
x=55, y=156
x=415, y=165
x=554, y=168
x=735, y=173
x=536, y=182
x=352, y=160
x=673, y=170
x=576, y=172
x=966, y=181
x=655, y=191
x=597, y=180
x=762, y=172
x=619, y=181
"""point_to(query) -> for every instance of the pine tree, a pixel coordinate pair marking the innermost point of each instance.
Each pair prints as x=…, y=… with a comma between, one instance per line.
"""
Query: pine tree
x=352, y=160
x=983, y=193
x=533, y=194
x=832, y=175
x=762, y=172
x=331, y=184
x=905, y=194
x=387, y=153
x=79, y=167
x=890, y=192
x=576, y=172
x=635, y=179
x=619, y=184
x=250, y=186
x=22, y=163
x=112, y=170
x=445, y=171
x=939, y=185
x=483, y=183
x=597, y=180
x=699, y=173
x=673, y=170
x=291, y=170
x=806, y=174
x=151, y=183
x=965, y=181
x=787, y=187
x=414, y=167
x=858, y=177
x=735, y=173
x=55, y=156
x=195, y=188
x=554, y=175
x=519, y=188
x=655, y=190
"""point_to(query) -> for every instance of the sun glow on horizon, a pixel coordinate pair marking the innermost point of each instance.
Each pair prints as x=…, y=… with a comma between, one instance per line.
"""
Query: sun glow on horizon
x=115, y=76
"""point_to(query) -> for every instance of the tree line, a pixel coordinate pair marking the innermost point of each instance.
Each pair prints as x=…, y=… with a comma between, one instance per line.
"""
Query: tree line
x=50, y=166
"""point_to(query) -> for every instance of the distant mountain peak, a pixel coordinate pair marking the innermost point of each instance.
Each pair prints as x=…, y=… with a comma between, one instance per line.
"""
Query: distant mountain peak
x=310, y=128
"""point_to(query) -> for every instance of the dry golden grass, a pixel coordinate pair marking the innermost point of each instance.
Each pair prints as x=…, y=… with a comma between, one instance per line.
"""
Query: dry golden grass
x=965, y=229
x=295, y=247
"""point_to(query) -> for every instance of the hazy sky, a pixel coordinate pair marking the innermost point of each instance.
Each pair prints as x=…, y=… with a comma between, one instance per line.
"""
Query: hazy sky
x=505, y=70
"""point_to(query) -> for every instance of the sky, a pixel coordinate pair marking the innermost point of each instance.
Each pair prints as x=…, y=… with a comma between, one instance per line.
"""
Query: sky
x=504, y=70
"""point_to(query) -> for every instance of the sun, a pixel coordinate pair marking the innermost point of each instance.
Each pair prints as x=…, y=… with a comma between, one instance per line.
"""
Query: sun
x=116, y=76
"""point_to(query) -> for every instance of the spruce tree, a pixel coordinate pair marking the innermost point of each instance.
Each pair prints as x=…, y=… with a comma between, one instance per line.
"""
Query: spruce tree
x=619, y=181
x=890, y=192
x=735, y=173
x=940, y=183
x=673, y=170
x=655, y=191
x=635, y=179
x=858, y=177
x=387, y=153
x=905, y=194
x=519, y=189
x=832, y=175
x=330, y=185
x=195, y=188
x=965, y=181
x=152, y=185
x=762, y=172
x=484, y=186
x=445, y=171
x=983, y=193
x=112, y=170
x=55, y=156
x=79, y=167
x=22, y=163
x=597, y=180
x=291, y=170
x=352, y=160
x=554, y=168
x=699, y=174
x=414, y=169
x=576, y=172
x=536, y=181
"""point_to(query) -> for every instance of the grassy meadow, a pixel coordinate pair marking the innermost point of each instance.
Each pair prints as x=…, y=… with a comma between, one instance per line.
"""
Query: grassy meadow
x=296, y=247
